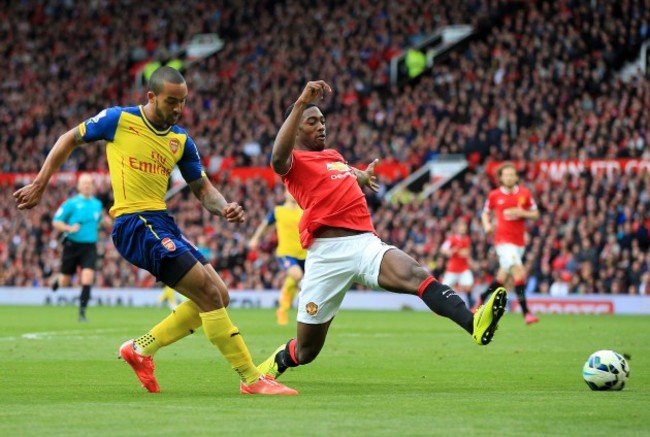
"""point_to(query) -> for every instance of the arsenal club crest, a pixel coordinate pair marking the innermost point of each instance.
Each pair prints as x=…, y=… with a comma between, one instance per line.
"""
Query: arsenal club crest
x=173, y=145
x=168, y=243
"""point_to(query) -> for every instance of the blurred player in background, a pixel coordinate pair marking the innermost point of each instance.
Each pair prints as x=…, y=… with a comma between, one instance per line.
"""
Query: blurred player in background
x=78, y=218
x=291, y=255
x=342, y=244
x=144, y=144
x=512, y=205
x=457, y=247
x=168, y=296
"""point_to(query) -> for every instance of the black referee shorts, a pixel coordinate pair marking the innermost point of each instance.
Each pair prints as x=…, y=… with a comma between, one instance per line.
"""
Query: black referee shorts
x=83, y=255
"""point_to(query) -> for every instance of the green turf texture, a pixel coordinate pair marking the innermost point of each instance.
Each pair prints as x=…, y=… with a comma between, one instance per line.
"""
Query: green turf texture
x=380, y=373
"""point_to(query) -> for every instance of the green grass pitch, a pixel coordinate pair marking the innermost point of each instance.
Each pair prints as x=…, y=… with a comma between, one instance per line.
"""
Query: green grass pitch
x=380, y=373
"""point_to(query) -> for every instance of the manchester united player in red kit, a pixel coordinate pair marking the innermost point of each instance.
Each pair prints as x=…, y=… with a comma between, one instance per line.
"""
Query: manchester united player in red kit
x=458, y=248
x=512, y=205
x=341, y=242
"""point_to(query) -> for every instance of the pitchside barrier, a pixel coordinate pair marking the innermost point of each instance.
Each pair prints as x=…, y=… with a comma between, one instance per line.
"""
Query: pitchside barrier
x=358, y=300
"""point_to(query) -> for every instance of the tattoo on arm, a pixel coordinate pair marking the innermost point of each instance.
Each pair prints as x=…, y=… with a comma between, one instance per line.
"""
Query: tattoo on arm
x=78, y=139
x=362, y=177
x=208, y=195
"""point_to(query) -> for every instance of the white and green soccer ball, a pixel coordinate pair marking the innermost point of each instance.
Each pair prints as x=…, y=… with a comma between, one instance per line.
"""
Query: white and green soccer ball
x=606, y=370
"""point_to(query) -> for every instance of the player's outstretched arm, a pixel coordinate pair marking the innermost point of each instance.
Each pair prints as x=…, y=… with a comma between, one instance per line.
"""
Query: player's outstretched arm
x=486, y=220
x=213, y=201
x=286, y=137
x=30, y=195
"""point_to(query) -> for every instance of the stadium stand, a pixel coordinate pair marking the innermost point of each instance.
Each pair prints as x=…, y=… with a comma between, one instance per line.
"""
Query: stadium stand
x=540, y=85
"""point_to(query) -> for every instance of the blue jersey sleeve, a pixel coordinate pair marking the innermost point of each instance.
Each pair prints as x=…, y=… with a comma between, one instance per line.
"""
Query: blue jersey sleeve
x=270, y=217
x=63, y=213
x=102, y=126
x=190, y=163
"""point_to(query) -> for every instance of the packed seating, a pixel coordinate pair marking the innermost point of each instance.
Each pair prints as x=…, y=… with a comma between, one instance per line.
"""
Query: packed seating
x=540, y=85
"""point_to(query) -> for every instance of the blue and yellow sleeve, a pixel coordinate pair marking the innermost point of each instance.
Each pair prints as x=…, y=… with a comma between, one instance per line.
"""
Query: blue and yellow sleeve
x=270, y=217
x=190, y=163
x=102, y=126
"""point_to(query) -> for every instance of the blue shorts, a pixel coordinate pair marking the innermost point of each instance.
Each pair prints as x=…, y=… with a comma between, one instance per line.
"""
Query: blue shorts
x=152, y=241
x=287, y=261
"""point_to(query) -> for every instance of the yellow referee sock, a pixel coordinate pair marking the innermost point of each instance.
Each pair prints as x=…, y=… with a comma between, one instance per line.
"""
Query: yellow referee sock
x=183, y=321
x=223, y=334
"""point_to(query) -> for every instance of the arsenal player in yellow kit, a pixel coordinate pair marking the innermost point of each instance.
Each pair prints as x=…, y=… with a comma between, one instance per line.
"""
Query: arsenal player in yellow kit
x=291, y=255
x=144, y=144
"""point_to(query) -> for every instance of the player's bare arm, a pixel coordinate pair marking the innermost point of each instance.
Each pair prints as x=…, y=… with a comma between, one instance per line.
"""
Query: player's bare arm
x=255, y=239
x=213, y=201
x=285, y=140
x=518, y=212
x=30, y=195
x=367, y=177
x=64, y=227
x=486, y=219
x=530, y=214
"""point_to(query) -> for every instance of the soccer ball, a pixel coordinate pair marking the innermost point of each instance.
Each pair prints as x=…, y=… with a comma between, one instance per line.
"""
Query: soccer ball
x=606, y=370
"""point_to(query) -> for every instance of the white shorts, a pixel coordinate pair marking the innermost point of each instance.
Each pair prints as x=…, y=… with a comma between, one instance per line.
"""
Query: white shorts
x=509, y=255
x=331, y=267
x=463, y=279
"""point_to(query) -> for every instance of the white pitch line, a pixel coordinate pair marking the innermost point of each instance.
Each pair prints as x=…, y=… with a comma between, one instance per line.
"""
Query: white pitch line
x=71, y=334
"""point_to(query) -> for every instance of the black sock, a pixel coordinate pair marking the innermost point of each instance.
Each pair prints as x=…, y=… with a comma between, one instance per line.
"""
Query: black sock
x=521, y=295
x=493, y=286
x=55, y=284
x=83, y=299
x=283, y=358
x=444, y=301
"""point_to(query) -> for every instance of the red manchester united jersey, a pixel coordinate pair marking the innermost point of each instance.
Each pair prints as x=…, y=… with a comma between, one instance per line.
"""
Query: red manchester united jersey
x=326, y=189
x=509, y=231
x=457, y=263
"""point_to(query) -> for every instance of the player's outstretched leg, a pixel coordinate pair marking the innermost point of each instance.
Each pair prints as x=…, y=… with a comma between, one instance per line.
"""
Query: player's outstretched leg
x=487, y=316
x=142, y=365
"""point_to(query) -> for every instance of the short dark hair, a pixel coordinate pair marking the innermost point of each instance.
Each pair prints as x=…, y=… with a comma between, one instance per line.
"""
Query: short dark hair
x=290, y=108
x=162, y=75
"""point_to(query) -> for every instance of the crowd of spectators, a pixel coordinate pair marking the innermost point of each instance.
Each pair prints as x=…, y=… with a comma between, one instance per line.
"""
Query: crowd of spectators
x=539, y=85
x=593, y=235
x=68, y=60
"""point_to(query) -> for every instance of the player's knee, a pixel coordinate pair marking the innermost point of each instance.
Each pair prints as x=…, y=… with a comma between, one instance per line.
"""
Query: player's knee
x=518, y=272
x=295, y=273
x=225, y=297
x=215, y=294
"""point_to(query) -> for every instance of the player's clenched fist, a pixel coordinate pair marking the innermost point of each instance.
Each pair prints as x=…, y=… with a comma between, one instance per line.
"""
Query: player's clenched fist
x=314, y=90
x=28, y=196
x=234, y=213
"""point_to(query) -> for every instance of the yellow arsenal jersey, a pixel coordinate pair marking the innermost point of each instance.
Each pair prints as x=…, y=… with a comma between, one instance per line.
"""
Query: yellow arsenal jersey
x=141, y=157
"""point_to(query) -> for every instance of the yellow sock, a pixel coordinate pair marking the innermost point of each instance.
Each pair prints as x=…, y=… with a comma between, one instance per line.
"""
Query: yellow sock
x=287, y=293
x=182, y=322
x=223, y=334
